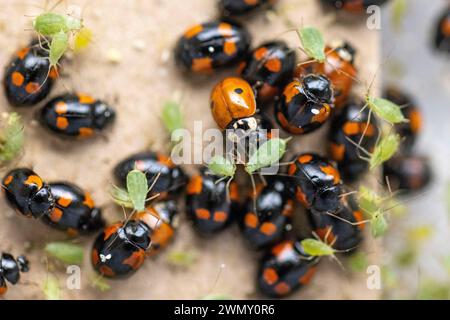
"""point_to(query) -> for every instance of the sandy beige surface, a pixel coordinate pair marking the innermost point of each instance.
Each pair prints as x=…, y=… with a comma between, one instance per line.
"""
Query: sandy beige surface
x=144, y=33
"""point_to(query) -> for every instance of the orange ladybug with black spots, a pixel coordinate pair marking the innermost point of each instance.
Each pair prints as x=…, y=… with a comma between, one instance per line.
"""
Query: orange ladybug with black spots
x=75, y=211
x=284, y=269
x=305, y=105
x=27, y=193
x=76, y=115
x=242, y=7
x=207, y=204
x=212, y=45
x=28, y=77
x=316, y=183
x=352, y=123
x=273, y=216
x=269, y=68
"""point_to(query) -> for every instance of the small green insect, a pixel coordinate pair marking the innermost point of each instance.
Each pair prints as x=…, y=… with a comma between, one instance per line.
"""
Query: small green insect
x=312, y=43
x=269, y=153
x=68, y=253
x=222, y=166
x=51, y=288
x=182, y=259
x=385, y=109
x=172, y=116
x=11, y=138
x=100, y=283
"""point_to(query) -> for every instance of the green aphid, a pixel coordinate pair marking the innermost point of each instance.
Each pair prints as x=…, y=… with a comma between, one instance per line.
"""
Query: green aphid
x=399, y=9
x=172, y=116
x=49, y=23
x=137, y=189
x=269, y=153
x=100, y=283
x=181, y=258
x=372, y=206
x=11, y=138
x=378, y=224
x=121, y=197
x=384, y=150
x=386, y=110
x=313, y=43
x=51, y=288
x=222, y=166
x=58, y=46
x=317, y=248
x=66, y=252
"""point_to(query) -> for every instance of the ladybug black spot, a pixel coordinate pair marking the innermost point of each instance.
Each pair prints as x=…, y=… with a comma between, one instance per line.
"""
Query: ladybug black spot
x=238, y=90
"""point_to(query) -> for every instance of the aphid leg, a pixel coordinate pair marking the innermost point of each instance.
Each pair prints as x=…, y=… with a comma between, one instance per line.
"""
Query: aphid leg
x=216, y=280
x=227, y=187
x=359, y=148
x=347, y=194
x=155, y=179
x=347, y=221
x=365, y=128
x=263, y=179
x=220, y=180
x=254, y=192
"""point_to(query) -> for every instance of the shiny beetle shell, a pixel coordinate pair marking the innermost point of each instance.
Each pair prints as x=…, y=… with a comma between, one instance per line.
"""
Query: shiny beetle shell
x=355, y=6
x=27, y=79
x=26, y=192
x=316, y=183
x=339, y=69
x=269, y=68
x=212, y=45
x=171, y=177
x=242, y=7
x=207, y=205
x=442, y=38
x=305, y=105
x=76, y=115
x=351, y=123
x=274, y=210
x=74, y=211
x=407, y=173
x=284, y=269
x=10, y=269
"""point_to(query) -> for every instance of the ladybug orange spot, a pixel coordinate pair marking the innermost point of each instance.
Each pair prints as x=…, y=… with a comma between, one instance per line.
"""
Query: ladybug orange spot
x=203, y=214
x=94, y=257
x=56, y=215
x=161, y=237
x=88, y=201
x=53, y=74
x=64, y=201
x=61, y=107
x=85, y=99
x=301, y=197
x=195, y=185
x=17, y=79
x=305, y=158
x=108, y=231
x=3, y=289
x=165, y=160
x=202, y=65
x=106, y=271
x=326, y=234
x=273, y=65
x=283, y=246
x=71, y=232
x=34, y=180
x=291, y=91
x=234, y=192
x=268, y=228
x=62, y=123
x=282, y=288
x=135, y=260
x=270, y=276
x=260, y=53
x=225, y=29
x=331, y=171
x=288, y=208
x=337, y=151
x=286, y=125
x=322, y=115
x=251, y=220
x=22, y=53
x=359, y=218
x=251, y=2
x=415, y=121
x=220, y=216
x=229, y=48
x=306, y=278
x=8, y=180
x=193, y=31
x=445, y=28
x=85, y=132
x=32, y=87
x=292, y=169
x=351, y=128
x=241, y=67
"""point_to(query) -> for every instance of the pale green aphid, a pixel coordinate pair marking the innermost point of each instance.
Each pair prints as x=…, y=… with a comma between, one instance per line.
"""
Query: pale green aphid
x=51, y=288
x=181, y=258
x=65, y=252
x=269, y=153
x=386, y=110
x=121, y=197
x=137, y=188
x=378, y=224
x=172, y=116
x=317, y=248
x=11, y=138
x=100, y=283
x=371, y=204
x=222, y=166
x=384, y=150
x=313, y=43
x=48, y=24
x=58, y=46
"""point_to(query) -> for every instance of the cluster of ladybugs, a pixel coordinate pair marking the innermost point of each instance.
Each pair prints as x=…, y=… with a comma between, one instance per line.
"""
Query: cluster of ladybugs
x=305, y=96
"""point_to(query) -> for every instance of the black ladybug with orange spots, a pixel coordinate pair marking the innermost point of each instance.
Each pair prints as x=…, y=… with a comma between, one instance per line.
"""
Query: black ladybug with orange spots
x=10, y=270
x=442, y=38
x=120, y=249
x=269, y=68
x=354, y=6
x=285, y=268
x=212, y=45
x=75, y=211
x=76, y=115
x=170, y=178
x=351, y=123
x=305, y=105
x=28, y=78
x=207, y=204
x=343, y=230
x=273, y=216
x=242, y=7
x=316, y=183
x=27, y=193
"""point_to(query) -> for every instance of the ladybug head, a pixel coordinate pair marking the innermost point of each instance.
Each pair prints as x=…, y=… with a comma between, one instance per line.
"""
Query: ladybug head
x=10, y=268
x=104, y=115
x=328, y=200
x=93, y=222
x=137, y=233
x=241, y=128
x=318, y=88
x=42, y=202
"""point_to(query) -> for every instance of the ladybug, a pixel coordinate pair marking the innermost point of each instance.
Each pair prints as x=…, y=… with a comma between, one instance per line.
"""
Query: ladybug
x=242, y=7
x=171, y=178
x=233, y=105
x=407, y=173
x=10, y=269
x=344, y=230
x=120, y=249
x=355, y=6
x=212, y=45
x=27, y=193
x=269, y=68
x=411, y=129
x=285, y=268
x=76, y=115
x=27, y=79
x=351, y=123
x=316, y=183
x=163, y=233
x=339, y=69
x=74, y=210
x=207, y=205
x=272, y=219
x=305, y=105
x=442, y=38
